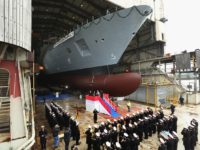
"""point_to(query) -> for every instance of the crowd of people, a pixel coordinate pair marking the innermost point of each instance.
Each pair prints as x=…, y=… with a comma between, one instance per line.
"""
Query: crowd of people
x=127, y=132
x=124, y=133
x=59, y=119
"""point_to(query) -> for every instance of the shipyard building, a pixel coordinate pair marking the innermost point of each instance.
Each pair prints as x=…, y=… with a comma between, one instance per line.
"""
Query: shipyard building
x=94, y=75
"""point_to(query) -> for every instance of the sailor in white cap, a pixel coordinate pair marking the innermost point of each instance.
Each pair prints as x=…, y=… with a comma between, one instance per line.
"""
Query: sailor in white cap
x=134, y=141
x=114, y=123
x=118, y=146
x=96, y=128
x=162, y=145
x=97, y=134
x=105, y=131
x=176, y=139
x=97, y=141
x=125, y=134
x=102, y=126
x=125, y=142
x=121, y=120
x=124, y=127
x=77, y=133
x=114, y=128
x=114, y=135
x=108, y=145
x=88, y=133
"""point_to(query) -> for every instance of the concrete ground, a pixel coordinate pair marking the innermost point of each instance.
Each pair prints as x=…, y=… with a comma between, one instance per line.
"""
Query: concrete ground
x=184, y=113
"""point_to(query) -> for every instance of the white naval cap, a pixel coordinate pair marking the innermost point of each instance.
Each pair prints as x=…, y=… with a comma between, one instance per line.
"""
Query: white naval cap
x=125, y=134
x=162, y=141
x=175, y=133
x=77, y=123
x=114, y=128
x=105, y=131
x=170, y=136
x=135, y=135
x=102, y=123
x=98, y=134
x=118, y=145
x=108, y=144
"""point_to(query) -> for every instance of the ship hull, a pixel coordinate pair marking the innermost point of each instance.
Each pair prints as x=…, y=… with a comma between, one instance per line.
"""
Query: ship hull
x=97, y=44
x=116, y=85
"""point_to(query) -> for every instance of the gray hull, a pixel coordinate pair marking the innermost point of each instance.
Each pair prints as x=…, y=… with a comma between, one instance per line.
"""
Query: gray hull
x=97, y=43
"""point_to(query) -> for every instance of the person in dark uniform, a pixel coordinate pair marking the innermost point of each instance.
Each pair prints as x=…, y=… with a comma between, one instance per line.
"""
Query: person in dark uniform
x=181, y=100
x=192, y=136
x=195, y=124
x=114, y=135
x=66, y=117
x=146, y=127
x=102, y=126
x=97, y=141
x=125, y=142
x=43, y=137
x=140, y=129
x=160, y=126
x=170, y=142
x=67, y=135
x=172, y=108
x=162, y=145
x=56, y=130
x=175, y=140
x=95, y=112
x=134, y=141
x=174, y=122
x=77, y=133
x=89, y=137
x=154, y=123
x=186, y=138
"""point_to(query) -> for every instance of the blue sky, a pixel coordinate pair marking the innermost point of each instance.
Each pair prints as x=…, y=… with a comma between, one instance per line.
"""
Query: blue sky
x=183, y=26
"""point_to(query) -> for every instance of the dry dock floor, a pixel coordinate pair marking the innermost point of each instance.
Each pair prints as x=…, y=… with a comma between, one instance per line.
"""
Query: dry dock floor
x=184, y=113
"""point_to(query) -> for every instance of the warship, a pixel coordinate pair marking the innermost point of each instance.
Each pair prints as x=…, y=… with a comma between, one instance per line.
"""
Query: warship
x=81, y=59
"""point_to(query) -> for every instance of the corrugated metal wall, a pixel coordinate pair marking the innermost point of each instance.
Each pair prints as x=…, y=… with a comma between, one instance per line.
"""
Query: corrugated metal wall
x=16, y=22
x=162, y=92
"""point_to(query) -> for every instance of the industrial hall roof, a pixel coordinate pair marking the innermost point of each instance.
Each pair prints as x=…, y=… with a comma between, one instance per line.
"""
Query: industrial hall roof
x=56, y=18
